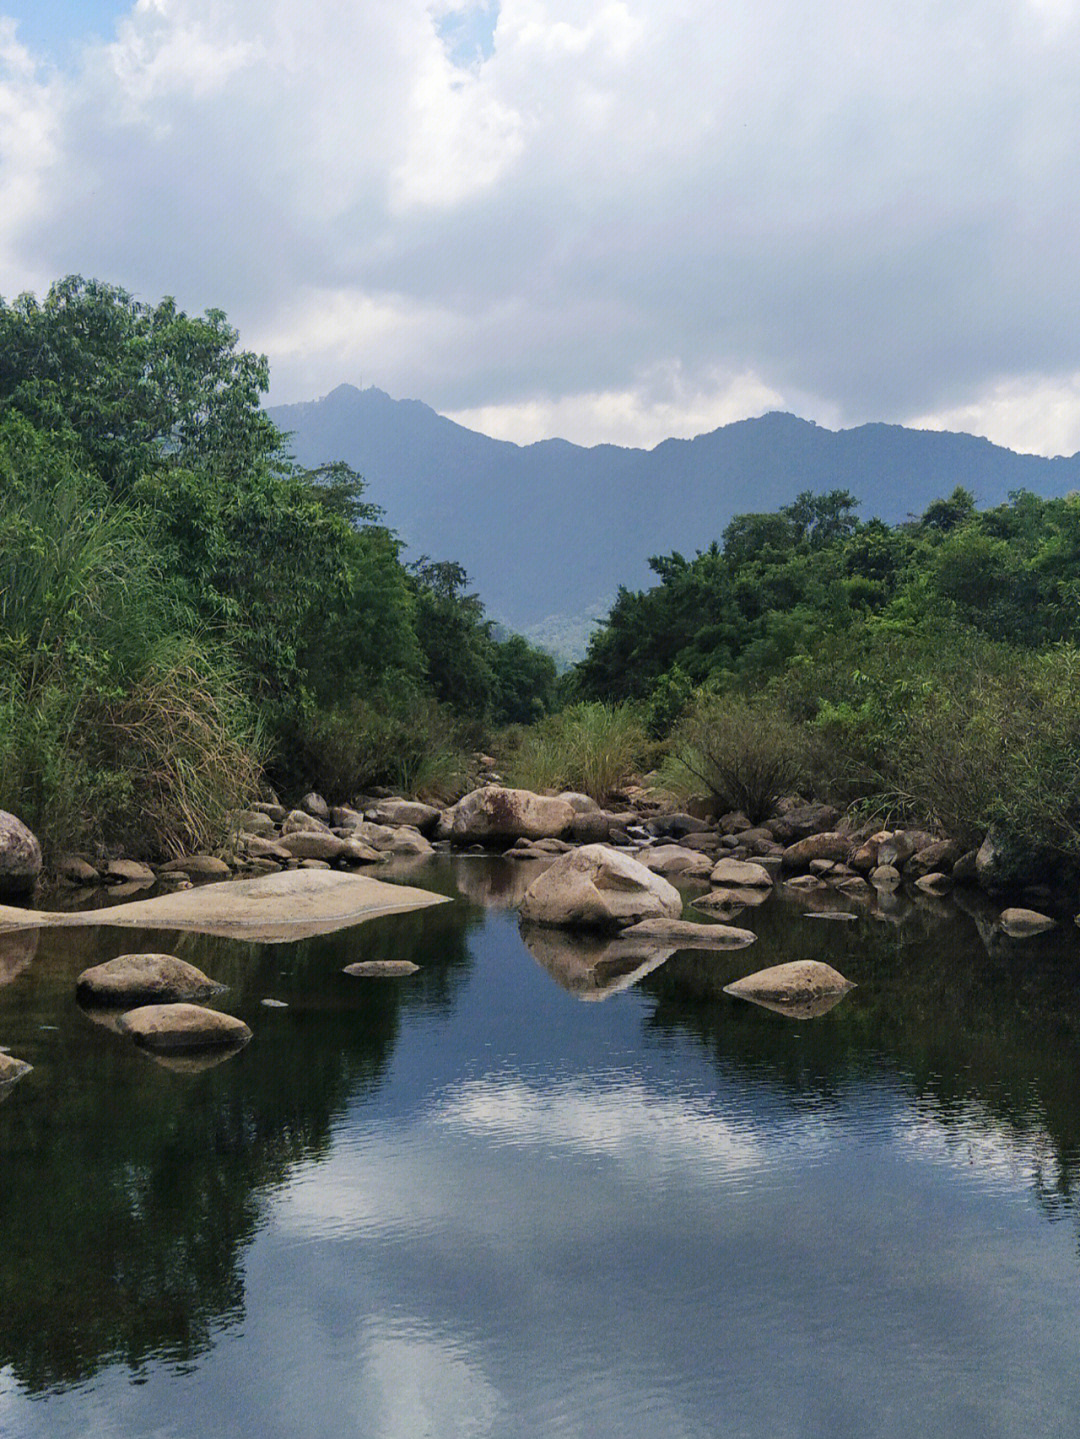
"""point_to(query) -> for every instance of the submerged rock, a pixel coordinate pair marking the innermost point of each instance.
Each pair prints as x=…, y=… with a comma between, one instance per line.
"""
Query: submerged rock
x=688, y=935
x=803, y=989
x=595, y=887
x=381, y=969
x=183, y=1026
x=135, y=979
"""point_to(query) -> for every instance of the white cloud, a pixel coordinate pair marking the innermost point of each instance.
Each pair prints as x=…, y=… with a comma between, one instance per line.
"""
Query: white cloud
x=1035, y=415
x=863, y=211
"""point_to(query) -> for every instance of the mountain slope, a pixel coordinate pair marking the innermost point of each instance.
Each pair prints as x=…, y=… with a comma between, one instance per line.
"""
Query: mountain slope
x=552, y=529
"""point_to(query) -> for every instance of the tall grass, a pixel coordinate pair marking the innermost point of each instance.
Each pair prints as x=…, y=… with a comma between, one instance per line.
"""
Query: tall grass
x=591, y=748
x=116, y=720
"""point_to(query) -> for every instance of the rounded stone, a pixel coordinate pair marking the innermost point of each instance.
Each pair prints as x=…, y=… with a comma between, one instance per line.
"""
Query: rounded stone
x=166, y=1027
x=140, y=979
x=20, y=857
x=381, y=969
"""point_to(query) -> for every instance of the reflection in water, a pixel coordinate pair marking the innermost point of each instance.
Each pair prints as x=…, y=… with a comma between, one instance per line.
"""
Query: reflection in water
x=17, y=951
x=470, y=1205
x=591, y=966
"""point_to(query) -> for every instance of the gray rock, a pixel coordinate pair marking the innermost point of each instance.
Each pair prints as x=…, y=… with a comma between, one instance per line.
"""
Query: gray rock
x=309, y=844
x=20, y=857
x=201, y=866
x=596, y=887
x=398, y=812
x=934, y=883
x=803, y=989
x=673, y=859
x=885, y=876
x=991, y=863
x=135, y=979
x=298, y=821
x=494, y=815
x=936, y=858
x=739, y=873
x=11, y=1070
x=315, y=805
x=801, y=821
x=590, y=826
x=254, y=821
x=829, y=844
x=687, y=935
x=580, y=803
x=75, y=870
x=129, y=871
x=1021, y=923
x=381, y=969
x=170, y=1027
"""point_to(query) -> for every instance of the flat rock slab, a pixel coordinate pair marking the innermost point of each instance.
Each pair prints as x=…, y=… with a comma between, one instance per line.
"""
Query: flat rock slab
x=687, y=935
x=272, y=908
x=169, y=1027
x=11, y=1069
x=381, y=969
x=136, y=979
x=803, y=989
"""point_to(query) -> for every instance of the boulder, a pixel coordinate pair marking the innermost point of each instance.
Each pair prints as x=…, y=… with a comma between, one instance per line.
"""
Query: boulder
x=20, y=857
x=134, y=979
x=804, y=989
x=273, y=810
x=315, y=805
x=708, y=841
x=11, y=1069
x=344, y=817
x=381, y=969
x=687, y=935
x=298, y=821
x=259, y=848
x=398, y=812
x=830, y=844
x=169, y=1027
x=311, y=844
x=590, y=826
x=734, y=822
x=1021, y=923
x=885, y=876
x=935, y=858
x=739, y=872
x=580, y=803
x=254, y=821
x=596, y=888
x=407, y=840
x=355, y=851
x=964, y=871
x=991, y=863
x=494, y=814
x=673, y=859
x=74, y=870
x=896, y=850
x=936, y=882
x=129, y=871
x=202, y=866
x=801, y=821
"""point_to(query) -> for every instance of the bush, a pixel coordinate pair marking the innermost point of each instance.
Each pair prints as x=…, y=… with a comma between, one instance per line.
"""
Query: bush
x=591, y=748
x=746, y=752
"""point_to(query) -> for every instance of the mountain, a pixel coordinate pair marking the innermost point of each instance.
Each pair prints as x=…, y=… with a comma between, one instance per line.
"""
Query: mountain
x=549, y=531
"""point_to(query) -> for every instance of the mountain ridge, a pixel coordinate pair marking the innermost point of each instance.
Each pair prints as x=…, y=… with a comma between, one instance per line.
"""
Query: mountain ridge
x=552, y=528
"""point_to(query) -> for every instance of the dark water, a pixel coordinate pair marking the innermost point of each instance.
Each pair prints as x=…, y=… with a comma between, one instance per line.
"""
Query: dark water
x=473, y=1204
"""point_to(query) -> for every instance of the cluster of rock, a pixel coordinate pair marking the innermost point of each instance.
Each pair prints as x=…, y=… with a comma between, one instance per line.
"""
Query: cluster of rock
x=158, y=1000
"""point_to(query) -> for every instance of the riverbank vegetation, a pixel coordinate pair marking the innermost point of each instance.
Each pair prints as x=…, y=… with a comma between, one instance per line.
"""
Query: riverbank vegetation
x=184, y=613
x=928, y=671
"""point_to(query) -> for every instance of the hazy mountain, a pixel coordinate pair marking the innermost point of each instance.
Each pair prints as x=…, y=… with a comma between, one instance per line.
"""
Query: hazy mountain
x=548, y=531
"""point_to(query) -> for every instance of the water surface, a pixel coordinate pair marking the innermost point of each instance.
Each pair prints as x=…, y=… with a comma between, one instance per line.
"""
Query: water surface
x=472, y=1203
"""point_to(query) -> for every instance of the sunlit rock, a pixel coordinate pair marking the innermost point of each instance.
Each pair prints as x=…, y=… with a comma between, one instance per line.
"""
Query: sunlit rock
x=381, y=969
x=688, y=935
x=803, y=989
x=595, y=887
x=134, y=979
x=740, y=873
x=496, y=815
x=170, y=1027
x=1021, y=923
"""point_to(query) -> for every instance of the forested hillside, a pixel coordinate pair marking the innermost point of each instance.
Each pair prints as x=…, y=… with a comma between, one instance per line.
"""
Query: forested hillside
x=183, y=609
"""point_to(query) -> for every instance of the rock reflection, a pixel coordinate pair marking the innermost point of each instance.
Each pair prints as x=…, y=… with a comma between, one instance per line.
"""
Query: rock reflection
x=592, y=966
x=17, y=951
x=497, y=883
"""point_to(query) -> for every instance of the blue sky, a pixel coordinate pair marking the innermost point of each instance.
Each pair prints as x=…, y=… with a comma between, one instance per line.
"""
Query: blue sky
x=609, y=220
x=56, y=28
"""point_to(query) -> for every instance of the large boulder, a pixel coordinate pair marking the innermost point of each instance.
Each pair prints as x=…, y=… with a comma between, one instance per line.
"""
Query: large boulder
x=20, y=857
x=134, y=979
x=397, y=812
x=595, y=887
x=183, y=1026
x=992, y=863
x=803, y=989
x=312, y=844
x=829, y=845
x=673, y=859
x=495, y=815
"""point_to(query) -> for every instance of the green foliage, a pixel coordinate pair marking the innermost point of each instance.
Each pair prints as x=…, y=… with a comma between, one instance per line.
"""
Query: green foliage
x=744, y=751
x=590, y=748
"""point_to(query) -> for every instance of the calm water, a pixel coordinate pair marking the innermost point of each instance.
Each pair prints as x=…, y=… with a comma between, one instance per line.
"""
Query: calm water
x=474, y=1204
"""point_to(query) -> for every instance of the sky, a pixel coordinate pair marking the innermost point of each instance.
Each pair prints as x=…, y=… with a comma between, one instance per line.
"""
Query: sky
x=606, y=220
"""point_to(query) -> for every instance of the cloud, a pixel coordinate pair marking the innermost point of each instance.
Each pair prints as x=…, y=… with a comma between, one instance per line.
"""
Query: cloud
x=534, y=209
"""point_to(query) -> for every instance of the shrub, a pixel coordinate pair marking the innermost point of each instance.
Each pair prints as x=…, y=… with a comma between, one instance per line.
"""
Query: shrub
x=746, y=752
